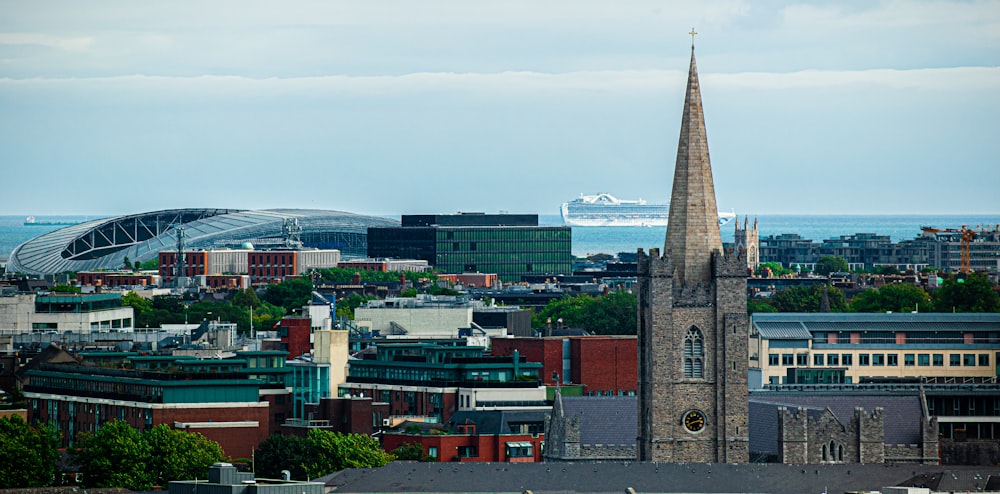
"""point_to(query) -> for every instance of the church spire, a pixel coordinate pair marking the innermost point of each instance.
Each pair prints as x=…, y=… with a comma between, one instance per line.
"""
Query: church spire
x=693, y=227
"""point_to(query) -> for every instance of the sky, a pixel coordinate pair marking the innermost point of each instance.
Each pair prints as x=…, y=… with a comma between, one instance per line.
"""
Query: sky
x=438, y=106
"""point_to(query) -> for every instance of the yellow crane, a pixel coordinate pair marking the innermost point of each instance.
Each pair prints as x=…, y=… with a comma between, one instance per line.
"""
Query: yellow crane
x=967, y=234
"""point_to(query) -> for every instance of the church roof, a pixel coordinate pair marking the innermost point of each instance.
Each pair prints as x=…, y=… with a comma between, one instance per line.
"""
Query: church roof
x=607, y=420
x=693, y=225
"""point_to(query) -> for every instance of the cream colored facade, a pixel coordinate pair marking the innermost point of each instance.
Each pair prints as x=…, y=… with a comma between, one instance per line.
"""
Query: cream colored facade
x=873, y=346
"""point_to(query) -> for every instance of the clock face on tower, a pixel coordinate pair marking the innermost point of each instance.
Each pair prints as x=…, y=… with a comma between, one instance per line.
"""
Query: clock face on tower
x=694, y=421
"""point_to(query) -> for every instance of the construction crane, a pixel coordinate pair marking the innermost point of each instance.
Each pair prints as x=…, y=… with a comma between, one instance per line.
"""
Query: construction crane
x=967, y=234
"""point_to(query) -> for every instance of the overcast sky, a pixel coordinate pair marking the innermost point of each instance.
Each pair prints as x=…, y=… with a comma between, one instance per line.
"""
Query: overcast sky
x=438, y=106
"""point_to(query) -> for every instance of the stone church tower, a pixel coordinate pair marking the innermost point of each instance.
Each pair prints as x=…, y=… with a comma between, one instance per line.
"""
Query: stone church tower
x=748, y=239
x=693, y=398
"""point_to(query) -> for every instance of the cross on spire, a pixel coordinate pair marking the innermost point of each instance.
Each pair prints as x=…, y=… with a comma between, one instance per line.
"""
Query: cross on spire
x=692, y=33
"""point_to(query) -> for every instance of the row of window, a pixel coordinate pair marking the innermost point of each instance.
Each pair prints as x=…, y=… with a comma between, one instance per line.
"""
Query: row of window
x=880, y=359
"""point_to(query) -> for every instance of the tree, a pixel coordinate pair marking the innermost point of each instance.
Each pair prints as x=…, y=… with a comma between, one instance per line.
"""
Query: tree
x=137, y=302
x=769, y=269
x=245, y=298
x=180, y=455
x=754, y=306
x=614, y=313
x=897, y=297
x=319, y=453
x=411, y=452
x=128, y=263
x=289, y=294
x=151, y=265
x=118, y=455
x=808, y=299
x=346, y=306
x=114, y=456
x=65, y=289
x=335, y=451
x=831, y=264
x=282, y=452
x=971, y=293
x=28, y=454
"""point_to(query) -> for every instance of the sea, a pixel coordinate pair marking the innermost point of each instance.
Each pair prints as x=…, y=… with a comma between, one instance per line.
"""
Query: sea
x=612, y=240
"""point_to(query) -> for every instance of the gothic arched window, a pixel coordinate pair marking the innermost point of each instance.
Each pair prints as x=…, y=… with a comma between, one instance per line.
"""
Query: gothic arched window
x=694, y=354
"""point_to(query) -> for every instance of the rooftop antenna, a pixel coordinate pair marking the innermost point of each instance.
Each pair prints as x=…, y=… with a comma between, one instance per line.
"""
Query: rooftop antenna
x=179, y=262
x=292, y=233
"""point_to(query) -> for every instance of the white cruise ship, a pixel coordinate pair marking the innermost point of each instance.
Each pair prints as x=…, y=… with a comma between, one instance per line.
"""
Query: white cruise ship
x=607, y=210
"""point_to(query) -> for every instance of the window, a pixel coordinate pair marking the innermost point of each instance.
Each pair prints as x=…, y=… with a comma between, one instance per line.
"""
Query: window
x=818, y=359
x=432, y=452
x=773, y=359
x=694, y=354
x=954, y=360
x=833, y=359
x=923, y=360
x=908, y=359
x=984, y=359
x=878, y=359
x=787, y=359
x=802, y=359
x=863, y=359
x=938, y=360
x=893, y=359
x=969, y=360
x=848, y=359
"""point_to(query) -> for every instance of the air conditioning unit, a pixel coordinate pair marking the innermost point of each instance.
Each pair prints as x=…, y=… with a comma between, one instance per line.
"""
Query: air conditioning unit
x=386, y=422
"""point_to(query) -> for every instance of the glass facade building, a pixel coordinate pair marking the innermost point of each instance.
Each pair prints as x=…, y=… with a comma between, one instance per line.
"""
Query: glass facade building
x=511, y=246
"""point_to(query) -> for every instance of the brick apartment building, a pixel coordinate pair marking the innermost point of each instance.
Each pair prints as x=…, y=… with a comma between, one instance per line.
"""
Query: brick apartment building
x=603, y=365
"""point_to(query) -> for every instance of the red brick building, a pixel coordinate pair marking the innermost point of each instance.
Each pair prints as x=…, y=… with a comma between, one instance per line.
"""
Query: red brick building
x=604, y=365
x=477, y=436
x=110, y=278
x=346, y=415
x=295, y=332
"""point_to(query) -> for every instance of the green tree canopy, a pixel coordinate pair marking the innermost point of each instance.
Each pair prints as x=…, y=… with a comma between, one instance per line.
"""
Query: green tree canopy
x=754, y=306
x=614, y=313
x=346, y=305
x=180, y=455
x=807, y=299
x=245, y=298
x=138, y=303
x=772, y=269
x=28, y=454
x=831, y=264
x=118, y=455
x=290, y=294
x=971, y=293
x=897, y=297
x=319, y=453
x=114, y=456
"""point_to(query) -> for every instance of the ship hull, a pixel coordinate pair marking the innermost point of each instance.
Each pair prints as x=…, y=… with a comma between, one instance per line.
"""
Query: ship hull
x=651, y=215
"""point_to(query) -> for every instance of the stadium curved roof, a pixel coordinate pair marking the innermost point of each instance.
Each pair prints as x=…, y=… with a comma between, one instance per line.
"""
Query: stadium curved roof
x=105, y=243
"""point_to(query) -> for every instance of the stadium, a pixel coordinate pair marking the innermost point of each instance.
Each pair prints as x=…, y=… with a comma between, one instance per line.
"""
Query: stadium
x=105, y=243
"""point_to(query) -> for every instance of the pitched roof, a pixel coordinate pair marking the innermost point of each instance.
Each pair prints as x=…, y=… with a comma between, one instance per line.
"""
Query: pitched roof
x=604, y=419
x=903, y=413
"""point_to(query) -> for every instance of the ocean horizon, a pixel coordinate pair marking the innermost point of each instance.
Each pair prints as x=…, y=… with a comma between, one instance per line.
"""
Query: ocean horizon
x=612, y=240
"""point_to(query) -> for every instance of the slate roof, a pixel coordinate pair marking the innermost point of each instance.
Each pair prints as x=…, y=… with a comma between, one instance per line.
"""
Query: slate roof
x=604, y=419
x=494, y=421
x=902, y=412
x=617, y=477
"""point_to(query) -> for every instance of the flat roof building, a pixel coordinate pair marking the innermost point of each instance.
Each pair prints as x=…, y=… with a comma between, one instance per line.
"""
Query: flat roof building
x=510, y=245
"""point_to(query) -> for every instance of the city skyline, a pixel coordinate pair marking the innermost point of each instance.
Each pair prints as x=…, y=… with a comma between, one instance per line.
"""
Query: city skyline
x=438, y=107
